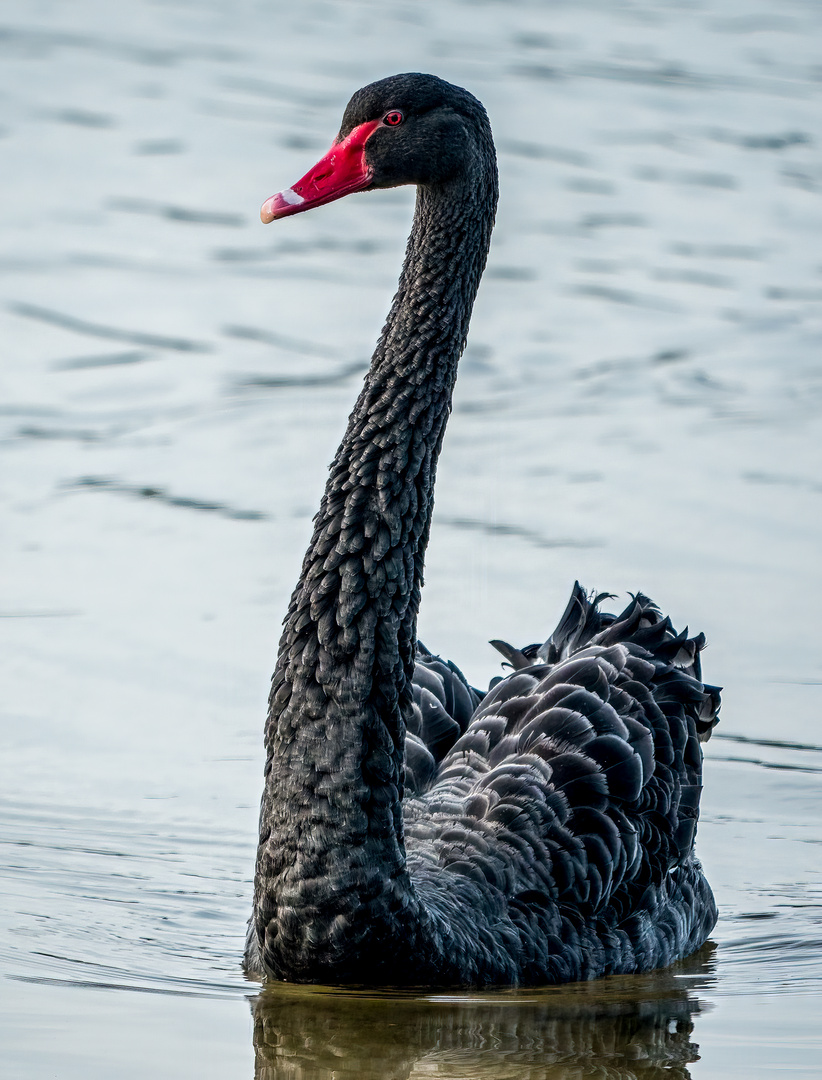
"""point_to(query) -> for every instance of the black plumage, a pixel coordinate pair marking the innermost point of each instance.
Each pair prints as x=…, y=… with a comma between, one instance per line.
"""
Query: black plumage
x=412, y=829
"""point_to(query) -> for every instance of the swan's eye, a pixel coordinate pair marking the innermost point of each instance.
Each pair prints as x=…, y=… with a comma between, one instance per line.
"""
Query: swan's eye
x=393, y=118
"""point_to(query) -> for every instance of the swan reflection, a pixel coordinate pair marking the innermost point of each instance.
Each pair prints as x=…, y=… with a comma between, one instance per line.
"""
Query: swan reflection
x=630, y=1026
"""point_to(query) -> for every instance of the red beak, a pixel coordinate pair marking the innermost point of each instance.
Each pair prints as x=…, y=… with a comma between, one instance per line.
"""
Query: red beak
x=341, y=171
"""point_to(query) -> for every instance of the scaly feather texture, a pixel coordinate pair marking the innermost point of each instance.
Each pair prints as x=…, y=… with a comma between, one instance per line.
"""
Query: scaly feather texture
x=413, y=830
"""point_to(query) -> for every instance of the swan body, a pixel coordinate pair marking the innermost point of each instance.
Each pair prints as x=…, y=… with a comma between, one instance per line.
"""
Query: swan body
x=412, y=829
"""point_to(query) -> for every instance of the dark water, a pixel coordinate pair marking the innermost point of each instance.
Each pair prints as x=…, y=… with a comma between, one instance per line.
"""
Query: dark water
x=639, y=407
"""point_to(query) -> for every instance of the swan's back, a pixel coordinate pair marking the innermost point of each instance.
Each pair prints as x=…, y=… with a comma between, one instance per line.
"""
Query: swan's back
x=568, y=802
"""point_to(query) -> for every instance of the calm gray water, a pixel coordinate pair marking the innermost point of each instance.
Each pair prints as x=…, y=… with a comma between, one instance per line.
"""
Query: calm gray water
x=640, y=406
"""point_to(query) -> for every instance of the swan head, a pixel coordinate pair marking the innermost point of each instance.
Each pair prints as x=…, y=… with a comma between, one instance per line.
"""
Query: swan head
x=407, y=129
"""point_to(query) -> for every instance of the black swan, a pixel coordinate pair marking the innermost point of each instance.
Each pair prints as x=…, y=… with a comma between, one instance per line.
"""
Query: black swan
x=413, y=830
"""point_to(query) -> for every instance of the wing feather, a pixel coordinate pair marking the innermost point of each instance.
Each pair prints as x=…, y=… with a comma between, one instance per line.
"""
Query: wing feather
x=575, y=780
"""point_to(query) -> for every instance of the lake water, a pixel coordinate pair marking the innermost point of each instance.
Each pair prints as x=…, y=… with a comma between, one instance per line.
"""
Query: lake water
x=640, y=406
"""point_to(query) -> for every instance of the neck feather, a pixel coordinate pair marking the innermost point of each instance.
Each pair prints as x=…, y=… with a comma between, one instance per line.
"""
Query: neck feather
x=341, y=689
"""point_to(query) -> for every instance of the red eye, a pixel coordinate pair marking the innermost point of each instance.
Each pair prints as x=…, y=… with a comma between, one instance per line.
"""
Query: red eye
x=393, y=118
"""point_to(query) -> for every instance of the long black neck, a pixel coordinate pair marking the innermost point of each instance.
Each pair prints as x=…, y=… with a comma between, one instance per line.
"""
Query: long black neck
x=331, y=844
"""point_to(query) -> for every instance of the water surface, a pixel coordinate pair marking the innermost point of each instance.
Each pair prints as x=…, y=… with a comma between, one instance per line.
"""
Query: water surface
x=639, y=407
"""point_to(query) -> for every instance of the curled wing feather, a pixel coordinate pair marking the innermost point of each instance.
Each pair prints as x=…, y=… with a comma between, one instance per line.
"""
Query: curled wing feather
x=576, y=780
